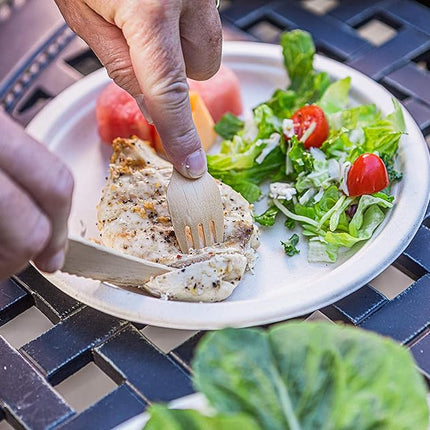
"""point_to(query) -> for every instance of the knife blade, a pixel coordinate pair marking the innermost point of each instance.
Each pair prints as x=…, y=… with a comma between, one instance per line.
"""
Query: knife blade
x=87, y=259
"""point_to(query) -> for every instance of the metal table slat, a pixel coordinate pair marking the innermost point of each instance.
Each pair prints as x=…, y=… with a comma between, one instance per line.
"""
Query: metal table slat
x=32, y=403
x=127, y=356
x=55, y=304
x=77, y=335
x=357, y=306
x=13, y=300
x=118, y=406
x=406, y=316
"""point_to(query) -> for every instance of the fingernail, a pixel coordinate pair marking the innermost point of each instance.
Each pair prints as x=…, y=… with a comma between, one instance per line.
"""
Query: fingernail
x=56, y=262
x=140, y=100
x=195, y=164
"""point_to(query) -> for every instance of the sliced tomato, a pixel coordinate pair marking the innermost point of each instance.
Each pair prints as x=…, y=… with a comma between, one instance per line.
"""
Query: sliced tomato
x=119, y=116
x=367, y=175
x=307, y=117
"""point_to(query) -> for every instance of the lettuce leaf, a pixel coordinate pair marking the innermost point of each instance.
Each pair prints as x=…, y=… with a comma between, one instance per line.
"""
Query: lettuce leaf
x=266, y=121
x=283, y=103
x=228, y=126
x=321, y=251
x=335, y=97
x=234, y=154
x=301, y=160
x=290, y=245
x=246, y=181
x=298, y=51
x=267, y=218
x=383, y=136
x=307, y=376
x=306, y=85
x=354, y=117
x=366, y=201
x=373, y=216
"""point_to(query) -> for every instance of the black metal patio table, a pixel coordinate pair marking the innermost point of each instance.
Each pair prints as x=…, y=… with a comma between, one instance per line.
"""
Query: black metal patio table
x=388, y=40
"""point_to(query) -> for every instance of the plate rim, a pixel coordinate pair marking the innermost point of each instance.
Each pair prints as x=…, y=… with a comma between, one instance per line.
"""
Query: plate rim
x=218, y=315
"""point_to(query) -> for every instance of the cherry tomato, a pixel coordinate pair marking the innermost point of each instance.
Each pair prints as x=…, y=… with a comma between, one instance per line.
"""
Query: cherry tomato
x=367, y=175
x=303, y=119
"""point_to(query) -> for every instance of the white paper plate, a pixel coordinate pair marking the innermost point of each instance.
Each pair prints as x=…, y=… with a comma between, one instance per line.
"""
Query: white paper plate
x=281, y=287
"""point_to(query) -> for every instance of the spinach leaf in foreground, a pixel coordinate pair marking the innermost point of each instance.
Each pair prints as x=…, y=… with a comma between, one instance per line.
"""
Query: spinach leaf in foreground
x=312, y=376
x=163, y=418
x=237, y=372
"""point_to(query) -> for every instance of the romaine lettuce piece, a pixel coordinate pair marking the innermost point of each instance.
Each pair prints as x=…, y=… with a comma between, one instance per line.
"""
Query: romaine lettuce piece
x=335, y=97
x=228, y=126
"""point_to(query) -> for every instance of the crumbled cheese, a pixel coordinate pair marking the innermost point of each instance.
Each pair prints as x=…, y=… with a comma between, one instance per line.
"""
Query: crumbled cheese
x=318, y=196
x=334, y=168
x=288, y=128
x=317, y=154
x=308, y=132
x=344, y=170
x=357, y=135
x=250, y=130
x=271, y=143
x=307, y=196
x=282, y=191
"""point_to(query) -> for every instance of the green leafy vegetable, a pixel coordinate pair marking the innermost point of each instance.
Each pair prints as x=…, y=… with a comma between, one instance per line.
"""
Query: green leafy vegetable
x=383, y=136
x=268, y=217
x=364, y=203
x=283, y=103
x=335, y=98
x=307, y=376
x=290, y=245
x=298, y=50
x=393, y=174
x=321, y=251
x=228, y=126
x=373, y=216
x=301, y=159
x=247, y=179
x=266, y=121
x=163, y=418
x=234, y=154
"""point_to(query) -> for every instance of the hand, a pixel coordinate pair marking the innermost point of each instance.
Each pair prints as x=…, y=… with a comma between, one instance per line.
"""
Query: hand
x=149, y=47
x=35, y=199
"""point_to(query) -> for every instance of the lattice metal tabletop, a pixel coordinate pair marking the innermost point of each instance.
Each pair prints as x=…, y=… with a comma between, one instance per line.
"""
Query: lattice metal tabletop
x=388, y=40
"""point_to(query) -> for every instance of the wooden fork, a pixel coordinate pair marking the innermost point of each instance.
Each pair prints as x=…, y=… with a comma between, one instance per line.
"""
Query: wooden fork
x=196, y=211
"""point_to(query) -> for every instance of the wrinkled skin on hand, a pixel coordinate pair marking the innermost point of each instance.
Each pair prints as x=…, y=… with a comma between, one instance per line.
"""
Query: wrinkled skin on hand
x=149, y=47
x=35, y=198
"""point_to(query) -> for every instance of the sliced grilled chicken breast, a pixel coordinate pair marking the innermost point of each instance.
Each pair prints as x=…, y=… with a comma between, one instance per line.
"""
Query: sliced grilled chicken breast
x=133, y=218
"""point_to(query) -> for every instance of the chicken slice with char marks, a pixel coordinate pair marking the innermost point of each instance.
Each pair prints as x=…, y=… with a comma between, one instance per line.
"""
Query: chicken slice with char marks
x=133, y=218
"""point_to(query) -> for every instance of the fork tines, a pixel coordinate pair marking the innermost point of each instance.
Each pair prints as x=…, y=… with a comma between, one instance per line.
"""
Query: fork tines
x=196, y=211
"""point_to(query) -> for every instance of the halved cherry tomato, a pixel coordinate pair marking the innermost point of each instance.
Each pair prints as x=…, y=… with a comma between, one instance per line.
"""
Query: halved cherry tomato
x=367, y=175
x=304, y=118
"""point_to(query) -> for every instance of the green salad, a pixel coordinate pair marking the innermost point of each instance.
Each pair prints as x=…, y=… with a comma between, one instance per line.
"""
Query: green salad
x=329, y=165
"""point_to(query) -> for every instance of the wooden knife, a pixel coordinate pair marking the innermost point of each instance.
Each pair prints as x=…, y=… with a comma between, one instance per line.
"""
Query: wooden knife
x=87, y=259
